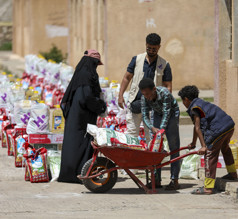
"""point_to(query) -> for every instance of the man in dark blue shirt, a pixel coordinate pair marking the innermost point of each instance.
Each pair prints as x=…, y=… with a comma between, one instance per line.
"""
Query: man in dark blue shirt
x=145, y=65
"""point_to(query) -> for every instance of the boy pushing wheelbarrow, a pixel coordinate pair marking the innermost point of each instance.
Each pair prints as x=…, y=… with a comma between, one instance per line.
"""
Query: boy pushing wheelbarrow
x=214, y=128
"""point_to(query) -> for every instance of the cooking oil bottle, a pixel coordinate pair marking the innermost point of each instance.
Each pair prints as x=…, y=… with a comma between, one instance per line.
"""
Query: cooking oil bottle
x=57, y=120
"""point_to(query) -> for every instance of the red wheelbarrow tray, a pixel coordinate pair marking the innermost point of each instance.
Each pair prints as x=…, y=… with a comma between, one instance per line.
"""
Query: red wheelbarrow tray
x=127, y=158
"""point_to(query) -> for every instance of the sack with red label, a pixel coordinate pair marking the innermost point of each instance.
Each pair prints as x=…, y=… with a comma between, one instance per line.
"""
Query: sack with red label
x=5, y=124
x=117, y=143
x=29, y=150
x=10, y=134
x=19, y=150
x=37, y=166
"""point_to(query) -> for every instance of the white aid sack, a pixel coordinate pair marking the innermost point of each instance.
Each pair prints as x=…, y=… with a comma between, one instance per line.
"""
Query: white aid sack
x=53, y=161
x=22, y=112
x=103, y=136
x=189, y=167
x=39, y=120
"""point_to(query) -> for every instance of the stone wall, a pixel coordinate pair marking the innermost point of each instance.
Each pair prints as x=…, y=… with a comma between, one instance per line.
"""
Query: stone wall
x=5, y=21
x=39, y=24
x=228, y=84
x=5, y=33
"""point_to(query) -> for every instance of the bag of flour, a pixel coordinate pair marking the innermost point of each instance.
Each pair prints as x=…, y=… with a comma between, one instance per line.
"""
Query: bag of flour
x=22, y=112
x=53, y=161
x=103, y=136
x=39, y=120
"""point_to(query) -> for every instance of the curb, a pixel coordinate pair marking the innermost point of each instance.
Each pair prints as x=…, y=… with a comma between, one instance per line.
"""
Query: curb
x=228, y=186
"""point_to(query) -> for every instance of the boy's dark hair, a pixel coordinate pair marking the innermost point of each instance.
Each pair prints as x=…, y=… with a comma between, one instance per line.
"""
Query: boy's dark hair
x=153, y=39
x=146, y=83
x=190, y=91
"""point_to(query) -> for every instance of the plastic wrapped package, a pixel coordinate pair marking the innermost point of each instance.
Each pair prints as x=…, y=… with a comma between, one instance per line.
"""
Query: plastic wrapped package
x=53, y=161
x=30, y=64
x=66, y=73
x=41, y=67
x=39, y=119
x=22, y=113
x=53, y=72
x=103, y=136
x=189, y=167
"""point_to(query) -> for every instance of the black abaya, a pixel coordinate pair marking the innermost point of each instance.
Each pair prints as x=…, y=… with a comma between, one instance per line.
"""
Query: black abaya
x=77, y=147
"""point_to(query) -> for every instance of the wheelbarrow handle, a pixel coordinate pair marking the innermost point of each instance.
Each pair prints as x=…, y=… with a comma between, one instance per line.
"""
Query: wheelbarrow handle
x=177, y=158
x=176, y=151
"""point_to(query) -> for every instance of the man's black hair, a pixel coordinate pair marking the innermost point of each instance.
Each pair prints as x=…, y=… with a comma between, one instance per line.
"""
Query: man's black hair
x=146, y=83
x=190, y=91
x=153, y=39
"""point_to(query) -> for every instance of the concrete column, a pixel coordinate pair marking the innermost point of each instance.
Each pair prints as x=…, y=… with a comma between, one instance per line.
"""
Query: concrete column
x=235, y=33
x=216, y=54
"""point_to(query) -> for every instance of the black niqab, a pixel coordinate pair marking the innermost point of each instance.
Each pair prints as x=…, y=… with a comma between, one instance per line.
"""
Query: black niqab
x=85, y=75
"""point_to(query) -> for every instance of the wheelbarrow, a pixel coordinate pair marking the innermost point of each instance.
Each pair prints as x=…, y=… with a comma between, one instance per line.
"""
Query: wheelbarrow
x=99, y=174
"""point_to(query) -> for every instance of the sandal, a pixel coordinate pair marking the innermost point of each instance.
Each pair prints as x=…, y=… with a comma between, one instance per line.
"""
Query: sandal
x=201, y=191
x=229, y=177
x=172, y=186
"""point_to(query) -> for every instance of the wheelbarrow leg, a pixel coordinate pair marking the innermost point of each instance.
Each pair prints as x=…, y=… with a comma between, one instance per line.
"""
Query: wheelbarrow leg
x=153, y=180
x=147, y=176
x=139, y=183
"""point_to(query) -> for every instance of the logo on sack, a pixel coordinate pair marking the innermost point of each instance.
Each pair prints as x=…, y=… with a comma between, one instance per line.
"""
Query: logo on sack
x=44, y=72
x=40, y=123
x=4, y=97
x=160, y=66
x=57, y=75
x=26, y=118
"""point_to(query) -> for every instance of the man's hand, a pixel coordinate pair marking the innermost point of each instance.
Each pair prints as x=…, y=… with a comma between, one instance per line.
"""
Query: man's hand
x=154, y=130
x=202, y=151
x=191, y=146
x=121, y=102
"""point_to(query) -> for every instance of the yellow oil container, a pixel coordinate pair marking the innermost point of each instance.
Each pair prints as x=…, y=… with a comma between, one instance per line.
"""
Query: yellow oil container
x=36, y=96
x=57, y=120
x=29, y=93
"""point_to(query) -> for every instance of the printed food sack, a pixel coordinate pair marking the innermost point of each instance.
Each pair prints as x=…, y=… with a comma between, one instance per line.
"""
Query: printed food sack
x=19, y=150
x=37, y=166
x=103, y=136
x=189, y=167
x=54, y=160
x=29, y=150
x=39, y=121
x=22, y=113
x=4, y=133
x=10, y=150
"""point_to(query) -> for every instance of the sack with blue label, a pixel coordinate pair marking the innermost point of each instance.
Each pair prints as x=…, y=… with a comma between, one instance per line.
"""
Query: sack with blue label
x=36, y=165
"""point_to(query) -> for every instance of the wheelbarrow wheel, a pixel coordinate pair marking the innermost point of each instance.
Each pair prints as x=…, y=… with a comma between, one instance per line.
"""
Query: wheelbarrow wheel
x=102, y=183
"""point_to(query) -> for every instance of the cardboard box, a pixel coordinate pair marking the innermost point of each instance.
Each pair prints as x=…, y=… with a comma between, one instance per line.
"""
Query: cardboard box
x=45, y=138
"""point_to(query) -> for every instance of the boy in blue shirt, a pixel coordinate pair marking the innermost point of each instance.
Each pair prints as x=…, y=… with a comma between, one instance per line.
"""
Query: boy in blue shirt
x=214, y=128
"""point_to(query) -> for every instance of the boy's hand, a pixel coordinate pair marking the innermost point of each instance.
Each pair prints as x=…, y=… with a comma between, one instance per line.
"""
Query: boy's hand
x=154, y=130
x=191, y=146
x=202, y=151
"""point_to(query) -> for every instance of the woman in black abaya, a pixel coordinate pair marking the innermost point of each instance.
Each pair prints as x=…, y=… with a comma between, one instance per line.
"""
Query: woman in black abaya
x=80, y=105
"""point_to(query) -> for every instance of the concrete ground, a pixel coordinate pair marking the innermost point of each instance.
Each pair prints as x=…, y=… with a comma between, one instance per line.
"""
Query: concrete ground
x=20, y=199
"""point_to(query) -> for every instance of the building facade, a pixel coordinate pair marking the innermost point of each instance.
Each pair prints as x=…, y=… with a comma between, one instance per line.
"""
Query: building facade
x=117, y=29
